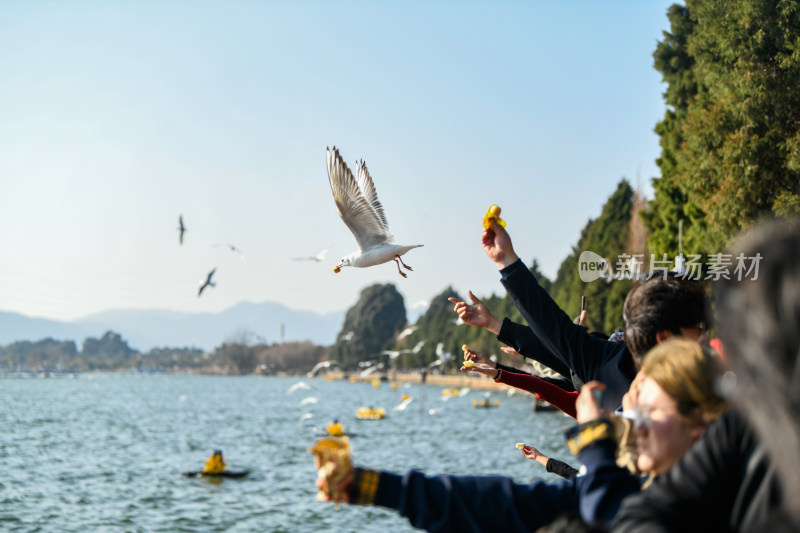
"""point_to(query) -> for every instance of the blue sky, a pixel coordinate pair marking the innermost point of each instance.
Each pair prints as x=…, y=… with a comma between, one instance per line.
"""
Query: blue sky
x=119, y=116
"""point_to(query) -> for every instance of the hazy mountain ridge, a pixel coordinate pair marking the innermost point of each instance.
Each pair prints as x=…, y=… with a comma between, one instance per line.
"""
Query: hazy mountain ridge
x=146, y=329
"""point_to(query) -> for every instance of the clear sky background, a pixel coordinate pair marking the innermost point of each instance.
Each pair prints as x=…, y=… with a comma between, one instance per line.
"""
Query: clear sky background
x=116, y=117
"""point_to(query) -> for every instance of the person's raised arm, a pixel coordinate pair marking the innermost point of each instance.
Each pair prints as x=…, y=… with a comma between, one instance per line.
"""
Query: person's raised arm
x=477, y=314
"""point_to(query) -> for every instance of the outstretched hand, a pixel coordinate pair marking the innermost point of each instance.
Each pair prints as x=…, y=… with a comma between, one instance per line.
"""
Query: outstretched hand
x=483, y=365
x=477, y=314
x=339, y=491
x=497, y=245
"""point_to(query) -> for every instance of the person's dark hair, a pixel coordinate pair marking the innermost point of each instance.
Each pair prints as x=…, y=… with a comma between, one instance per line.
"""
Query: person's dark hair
x=661, y=304
x=759, y=324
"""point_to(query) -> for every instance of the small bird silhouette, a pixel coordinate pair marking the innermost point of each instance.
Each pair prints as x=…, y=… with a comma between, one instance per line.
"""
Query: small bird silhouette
x=362, y=212
x=207, y=283
x=181, y=229
x=233, y=249
x=317, y=258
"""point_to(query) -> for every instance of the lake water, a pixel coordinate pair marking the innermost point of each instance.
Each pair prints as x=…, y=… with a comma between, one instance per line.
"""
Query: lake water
x=105, y=452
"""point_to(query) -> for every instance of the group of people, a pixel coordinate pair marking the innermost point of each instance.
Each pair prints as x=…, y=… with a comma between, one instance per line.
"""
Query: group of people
x=669, y=434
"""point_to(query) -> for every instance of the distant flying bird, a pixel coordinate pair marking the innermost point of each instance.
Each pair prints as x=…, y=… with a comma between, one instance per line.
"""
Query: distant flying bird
x=408, y=331
x=319, y=366
x=181, y=229
x=359, y=207
x=298, y=385
x=317, y=258
x=207, y=283
x=233, y=249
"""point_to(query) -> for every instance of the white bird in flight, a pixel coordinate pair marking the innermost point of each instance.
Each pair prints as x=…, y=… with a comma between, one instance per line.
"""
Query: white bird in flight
x=359, y=207
x=317, y=258
x=233, y=249
x=207, y=283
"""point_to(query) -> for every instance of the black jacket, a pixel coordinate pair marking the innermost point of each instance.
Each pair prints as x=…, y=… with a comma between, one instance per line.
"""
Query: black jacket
x=554, y=340
x=724, y=483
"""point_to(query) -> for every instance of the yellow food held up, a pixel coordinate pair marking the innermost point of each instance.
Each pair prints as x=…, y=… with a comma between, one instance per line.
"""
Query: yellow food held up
x=493, y=214
x=520, y=445
x=469, y=364
x=336, y=269
x=333, y=455
x=464, y=347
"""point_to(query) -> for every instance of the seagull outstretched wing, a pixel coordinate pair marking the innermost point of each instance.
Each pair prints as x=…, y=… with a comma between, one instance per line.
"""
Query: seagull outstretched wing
x=357, y=203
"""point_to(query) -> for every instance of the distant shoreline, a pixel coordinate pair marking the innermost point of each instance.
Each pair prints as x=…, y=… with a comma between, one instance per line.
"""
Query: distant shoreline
x=447, y=380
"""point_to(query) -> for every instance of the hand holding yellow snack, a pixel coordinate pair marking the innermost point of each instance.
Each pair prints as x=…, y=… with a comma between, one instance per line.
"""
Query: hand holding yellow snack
x=469, y=364
x=493, y=214
x=333, y=462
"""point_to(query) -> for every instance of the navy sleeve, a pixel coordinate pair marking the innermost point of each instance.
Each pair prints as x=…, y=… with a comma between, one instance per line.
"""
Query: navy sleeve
x=589, y=357
x=605, y=485
x=458, y=504
x=560, y=468
x=522, y=339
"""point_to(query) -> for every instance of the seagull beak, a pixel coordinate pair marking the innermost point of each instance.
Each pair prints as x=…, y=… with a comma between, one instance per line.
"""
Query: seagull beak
x=337, y=269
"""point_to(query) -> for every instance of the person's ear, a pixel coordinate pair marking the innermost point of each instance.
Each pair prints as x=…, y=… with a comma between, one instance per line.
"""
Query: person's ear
x=663, y=335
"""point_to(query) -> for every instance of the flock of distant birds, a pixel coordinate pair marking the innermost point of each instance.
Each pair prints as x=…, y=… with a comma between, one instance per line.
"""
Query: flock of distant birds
x=359, y=208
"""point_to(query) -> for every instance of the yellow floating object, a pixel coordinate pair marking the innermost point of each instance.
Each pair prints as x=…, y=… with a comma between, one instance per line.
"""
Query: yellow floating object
x=215, y=464
x=376, y=383
x=493, y=214
x=337, y=269
x=370, y=413
x=405, y=397
x=336, y=429
x=333, y=454
x=485, y=403
x=451, y=392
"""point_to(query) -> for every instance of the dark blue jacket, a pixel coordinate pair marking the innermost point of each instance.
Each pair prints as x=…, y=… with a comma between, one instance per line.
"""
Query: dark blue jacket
x=553, y=339
x=447, y=503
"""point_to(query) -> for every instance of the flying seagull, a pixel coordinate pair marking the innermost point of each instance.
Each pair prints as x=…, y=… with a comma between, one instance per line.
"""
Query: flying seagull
x=359, y=207
x=233, y=249
x=207, y=283
x=317, y=258
x=181, y=229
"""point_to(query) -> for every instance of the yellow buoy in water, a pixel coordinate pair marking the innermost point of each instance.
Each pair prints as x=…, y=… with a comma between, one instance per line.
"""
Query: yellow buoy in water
x=335, y=429
x=215, y=464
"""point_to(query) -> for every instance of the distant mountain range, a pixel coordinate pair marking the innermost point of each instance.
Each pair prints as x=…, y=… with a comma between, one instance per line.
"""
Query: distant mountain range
x=147, y=329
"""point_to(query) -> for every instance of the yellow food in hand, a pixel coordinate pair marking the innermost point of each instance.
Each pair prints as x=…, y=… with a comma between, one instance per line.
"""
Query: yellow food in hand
x=464, y=347
x=493, y=214
x=469, y=364
x=333, y=455
x=520, y=445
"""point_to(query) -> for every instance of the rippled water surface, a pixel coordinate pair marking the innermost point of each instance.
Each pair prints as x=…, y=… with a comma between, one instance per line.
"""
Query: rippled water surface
x=105, y=452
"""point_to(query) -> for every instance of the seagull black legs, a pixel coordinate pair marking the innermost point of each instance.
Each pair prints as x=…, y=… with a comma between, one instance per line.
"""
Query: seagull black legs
x=400, y=262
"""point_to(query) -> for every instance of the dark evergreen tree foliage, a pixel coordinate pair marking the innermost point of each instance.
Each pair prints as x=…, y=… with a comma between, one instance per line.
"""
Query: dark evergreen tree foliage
x=731, y=134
